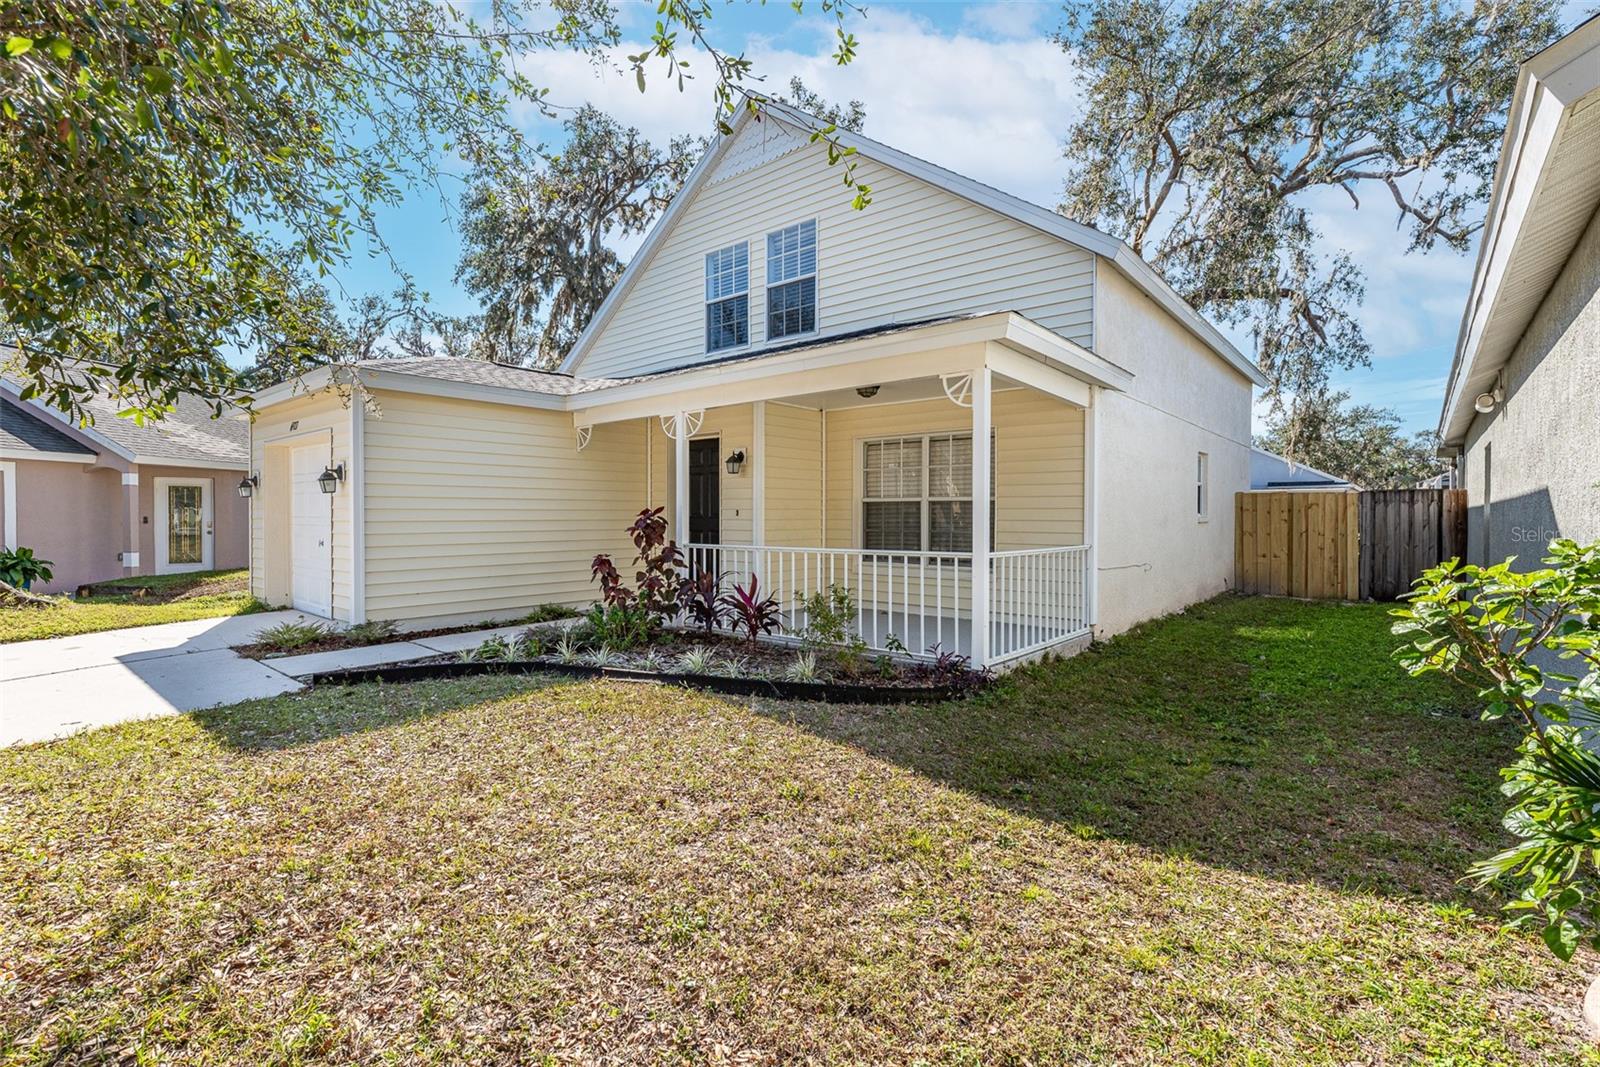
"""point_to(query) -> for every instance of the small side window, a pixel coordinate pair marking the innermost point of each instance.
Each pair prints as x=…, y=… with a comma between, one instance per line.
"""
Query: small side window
x=1202, y=487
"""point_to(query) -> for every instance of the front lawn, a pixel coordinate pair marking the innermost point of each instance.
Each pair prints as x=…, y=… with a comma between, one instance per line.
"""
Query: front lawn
x=133, y=602
x=1232, y=837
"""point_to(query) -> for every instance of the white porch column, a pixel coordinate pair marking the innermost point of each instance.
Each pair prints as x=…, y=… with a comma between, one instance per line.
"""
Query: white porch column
x=1091, y=505
x=981, y=447
x=758, y=473
x=680, y=477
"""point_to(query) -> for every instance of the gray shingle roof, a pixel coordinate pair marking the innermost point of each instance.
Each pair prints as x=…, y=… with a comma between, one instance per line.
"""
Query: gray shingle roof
x=483, y=372
x=24, y=431
x=187, y=434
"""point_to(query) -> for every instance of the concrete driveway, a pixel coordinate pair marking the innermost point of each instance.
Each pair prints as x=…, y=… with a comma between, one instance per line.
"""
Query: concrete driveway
x=62, y=685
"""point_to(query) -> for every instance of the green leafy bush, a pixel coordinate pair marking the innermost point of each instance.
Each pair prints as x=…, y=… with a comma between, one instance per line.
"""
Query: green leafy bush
x=289, y=636
x=619, y=626
x=21, y=568
x=1486, y=625
x=371, y=633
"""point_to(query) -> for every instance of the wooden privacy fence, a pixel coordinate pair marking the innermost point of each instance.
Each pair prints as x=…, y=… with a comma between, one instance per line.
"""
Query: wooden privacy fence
x=1344, y=545
x=1297, y=544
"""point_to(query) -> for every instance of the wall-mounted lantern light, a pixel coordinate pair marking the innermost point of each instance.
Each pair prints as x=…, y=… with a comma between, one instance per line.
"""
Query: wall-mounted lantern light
x=328, y=481
x=736, y=461
x=249, y=484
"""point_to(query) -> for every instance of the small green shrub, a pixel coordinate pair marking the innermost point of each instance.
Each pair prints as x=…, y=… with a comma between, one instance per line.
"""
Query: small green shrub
x=288, y=636
x=371, y=633
x=494, y=649
x=550, y=613
x=20, y=568
x=698, y=660
x=604, y=656
x=803, y=669
x=621, y=626
x=1485, y=625
x=830, y=614
x=568, y=650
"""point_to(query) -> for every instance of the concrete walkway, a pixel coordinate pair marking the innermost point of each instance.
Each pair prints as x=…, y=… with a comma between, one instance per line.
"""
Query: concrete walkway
x=61, y=685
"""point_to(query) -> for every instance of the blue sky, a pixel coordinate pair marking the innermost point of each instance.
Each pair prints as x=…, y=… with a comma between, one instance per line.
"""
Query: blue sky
x=978, y=88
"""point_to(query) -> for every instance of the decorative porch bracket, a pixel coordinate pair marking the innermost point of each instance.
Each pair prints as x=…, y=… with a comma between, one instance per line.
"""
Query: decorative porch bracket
x=957, y=388
x=695, y=419
x=584, y=433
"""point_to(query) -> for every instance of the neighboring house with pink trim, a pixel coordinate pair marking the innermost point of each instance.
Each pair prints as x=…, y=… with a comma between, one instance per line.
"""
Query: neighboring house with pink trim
x=115, y=499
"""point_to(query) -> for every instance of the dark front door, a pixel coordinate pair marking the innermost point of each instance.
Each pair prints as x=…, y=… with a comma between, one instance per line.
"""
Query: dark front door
x=705, y=491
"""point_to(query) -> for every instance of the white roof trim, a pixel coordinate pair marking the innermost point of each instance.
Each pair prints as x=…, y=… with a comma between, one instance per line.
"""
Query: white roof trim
x=1549, y=83
x=1046, y=221
x=1008, y=328
x=322, y=378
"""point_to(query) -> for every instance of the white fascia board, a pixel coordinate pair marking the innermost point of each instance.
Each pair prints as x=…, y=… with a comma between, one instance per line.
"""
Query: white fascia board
x=313, y=381
x=377, y=380
x=1547, y=85
x=950, y=347
x=201, y=462
x=1028, y=337
x=653, y=240
x=10, y=454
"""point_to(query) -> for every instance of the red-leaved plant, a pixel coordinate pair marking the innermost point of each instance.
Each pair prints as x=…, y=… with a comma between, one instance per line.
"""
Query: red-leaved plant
x=750, y=612
x=658, y=581
x=702, y=599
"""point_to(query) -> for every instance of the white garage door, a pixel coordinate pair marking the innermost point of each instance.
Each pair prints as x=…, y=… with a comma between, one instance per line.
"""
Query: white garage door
x=310, y=532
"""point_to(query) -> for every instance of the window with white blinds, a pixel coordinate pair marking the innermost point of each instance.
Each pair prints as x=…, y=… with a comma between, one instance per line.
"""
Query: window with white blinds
x=728, y=297
x=916, y=493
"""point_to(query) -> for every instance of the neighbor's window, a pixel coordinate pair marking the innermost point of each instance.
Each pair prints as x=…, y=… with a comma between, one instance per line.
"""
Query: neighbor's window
x=728, y=297
x=792, y=280
x=1202, y=491
x=916, y=494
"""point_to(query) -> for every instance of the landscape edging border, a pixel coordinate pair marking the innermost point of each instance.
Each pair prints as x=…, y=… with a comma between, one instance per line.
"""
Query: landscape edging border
x=825, y=692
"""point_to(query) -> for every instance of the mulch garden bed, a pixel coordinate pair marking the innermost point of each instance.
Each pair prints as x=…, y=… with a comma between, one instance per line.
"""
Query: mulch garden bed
x=737, y=667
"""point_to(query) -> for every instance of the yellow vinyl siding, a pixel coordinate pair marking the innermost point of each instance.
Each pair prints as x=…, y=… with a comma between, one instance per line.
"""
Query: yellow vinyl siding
x=304, y=421
x=477, y=510
x=793, y=475
x=1038, y=464
x=918, y=252
x=733, y=426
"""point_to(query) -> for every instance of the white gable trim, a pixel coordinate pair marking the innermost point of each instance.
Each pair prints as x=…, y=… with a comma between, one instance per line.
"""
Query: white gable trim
x=1548, y=85
x=1042, y=219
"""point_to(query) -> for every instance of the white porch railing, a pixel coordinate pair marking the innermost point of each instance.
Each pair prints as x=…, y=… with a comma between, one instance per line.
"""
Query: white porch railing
x=920, y=603
x=1038, y=597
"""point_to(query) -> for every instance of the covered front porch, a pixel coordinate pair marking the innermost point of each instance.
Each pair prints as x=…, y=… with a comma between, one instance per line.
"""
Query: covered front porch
x=939, y=475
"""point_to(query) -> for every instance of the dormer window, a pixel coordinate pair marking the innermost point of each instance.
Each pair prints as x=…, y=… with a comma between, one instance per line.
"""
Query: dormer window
x=792, y=280
x=728, y=297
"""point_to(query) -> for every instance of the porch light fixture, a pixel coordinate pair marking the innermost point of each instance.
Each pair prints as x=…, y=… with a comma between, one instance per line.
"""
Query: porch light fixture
x=328, y=481
x=867, y=392
x=249, y=484
x=1484, y=403
x=736, y=461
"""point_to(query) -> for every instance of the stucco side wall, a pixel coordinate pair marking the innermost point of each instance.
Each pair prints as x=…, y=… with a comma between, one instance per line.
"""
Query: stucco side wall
x=230, y=514
x=72, y=516
x=484, y=511
x=1543, y=443
x=1155, y=554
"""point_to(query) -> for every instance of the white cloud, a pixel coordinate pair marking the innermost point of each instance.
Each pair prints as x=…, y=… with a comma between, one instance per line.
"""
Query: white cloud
x=1006, y=18
x=994, y=110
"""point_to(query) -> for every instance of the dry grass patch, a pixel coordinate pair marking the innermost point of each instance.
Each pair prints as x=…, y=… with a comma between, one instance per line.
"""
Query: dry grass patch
x=498, y=870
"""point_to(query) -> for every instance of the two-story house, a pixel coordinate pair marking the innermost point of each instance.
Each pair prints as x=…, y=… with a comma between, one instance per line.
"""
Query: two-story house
x=998, y=427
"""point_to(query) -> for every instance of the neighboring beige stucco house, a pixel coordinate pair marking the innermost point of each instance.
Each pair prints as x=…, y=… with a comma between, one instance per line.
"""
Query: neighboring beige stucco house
x=1000, y=428
x=114, y=499
x=1522, y=410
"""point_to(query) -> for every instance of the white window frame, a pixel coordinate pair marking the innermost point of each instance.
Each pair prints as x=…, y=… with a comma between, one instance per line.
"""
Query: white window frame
x=924, y=519
x=723, y=298
x=1202, y=486
x=814, y=275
